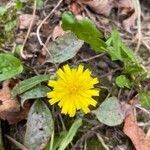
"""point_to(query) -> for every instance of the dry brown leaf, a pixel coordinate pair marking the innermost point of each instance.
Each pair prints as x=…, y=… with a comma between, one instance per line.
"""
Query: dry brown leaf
x=10, y=109
x=131, y=129
x=46, y=28
x=25, y=20
x=125, y=4
x=58, y=31
x=125, y=9
x=129, y=22
x=100, y=6
x=75, y=8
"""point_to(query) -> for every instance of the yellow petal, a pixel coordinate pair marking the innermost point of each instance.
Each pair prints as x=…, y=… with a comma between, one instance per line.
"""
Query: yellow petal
x=51, y=94
x=53, y=101
x=92, y=92
x=77, y=104
x=95, y=81
x=92, y=102
x=85, y=109
x=80, y=69
x=61, y=74
x=52, y=83
x=72, y=109
x=65, y=106
x=67, y=69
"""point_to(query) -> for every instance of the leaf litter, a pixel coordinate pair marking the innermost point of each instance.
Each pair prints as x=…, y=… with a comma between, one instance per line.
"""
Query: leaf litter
x=10, y=109
x=102, y=66
x=125, y=7
x=134, y=132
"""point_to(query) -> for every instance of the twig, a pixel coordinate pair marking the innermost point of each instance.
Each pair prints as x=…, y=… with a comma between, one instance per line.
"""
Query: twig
x=102, y=141
x=39, y=27
x=29, y=30
x=62, y=122
x=138, y=13
x=91, y=58
x=19, y=145
x=43, y=48
x=143, y=124
x=146, y=45
x=143, y=109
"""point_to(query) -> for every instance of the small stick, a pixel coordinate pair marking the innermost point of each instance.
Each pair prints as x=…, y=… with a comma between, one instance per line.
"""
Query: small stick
x=91, y=58
x=39, y=27
x=102, y=141
x=19, y=145
x=138, y=13
x=28, y=33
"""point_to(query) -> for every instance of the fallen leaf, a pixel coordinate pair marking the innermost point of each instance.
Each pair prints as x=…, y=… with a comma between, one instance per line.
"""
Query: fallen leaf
x=110, y=112
x=125, y=4
x=129, y=22
x=63, y=48
x=46, y=29
x=25, y=20
x=100, y=6
x=40, y=126
x=75, y=8
x=10, y=109
x=125, y=9
x=57, y=32
x=135, y=133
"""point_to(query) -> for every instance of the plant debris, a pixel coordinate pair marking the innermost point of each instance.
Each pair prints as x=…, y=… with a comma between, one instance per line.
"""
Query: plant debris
x=10, y=109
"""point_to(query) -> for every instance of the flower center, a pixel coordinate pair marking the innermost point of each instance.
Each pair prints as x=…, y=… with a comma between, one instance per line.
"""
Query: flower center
x=74, y=90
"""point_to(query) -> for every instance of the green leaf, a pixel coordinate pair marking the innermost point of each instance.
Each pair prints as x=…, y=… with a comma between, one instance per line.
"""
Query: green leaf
x=57, y=140
x=40, y=126
x=10, y=66
x=19, y=4
x=71, y=133
x=3, y=10
x=39, y=3
x=109, y=112
x=117, y=50
x=134, y=69
x=122, y=81
x=28, y=84
x=1, y=140
x=10, y=25
x=145, y=99
x=36, y=92
x=85, y=30
x=63, y=48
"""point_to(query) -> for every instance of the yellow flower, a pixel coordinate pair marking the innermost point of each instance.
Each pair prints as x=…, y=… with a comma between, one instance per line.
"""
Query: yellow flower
x=73, y=90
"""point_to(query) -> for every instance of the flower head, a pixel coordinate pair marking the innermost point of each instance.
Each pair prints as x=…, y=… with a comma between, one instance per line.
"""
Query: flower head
x=73, y=90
